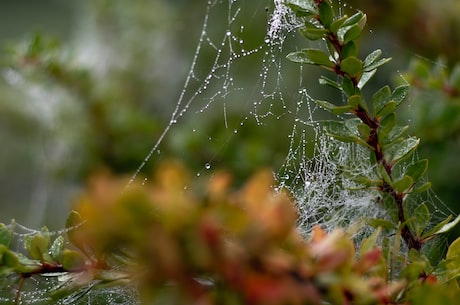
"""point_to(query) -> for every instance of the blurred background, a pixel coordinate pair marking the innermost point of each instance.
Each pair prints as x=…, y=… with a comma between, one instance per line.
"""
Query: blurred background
x=90, y=85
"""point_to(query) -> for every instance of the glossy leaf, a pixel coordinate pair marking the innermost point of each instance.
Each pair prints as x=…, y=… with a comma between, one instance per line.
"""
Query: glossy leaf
x=372, y=58
x=333, y=108
x=385, y=128
x=358, y=18
x=340, y=131
x=418, y=169
x=311, y=56
x=357, y=100
x=376, y=64
x=386, y=110
x=350, y=49
x=348, y=87
x=336, y=24
x=380, y=98
x=400, y=94
x=365, y=78
x=351, y=65
x=351, y=34
x=443, y=227
x=396, y=133
x=301, y=8
x=312, y=32
x=325, y=14
x=398, y=151
x=329, y=82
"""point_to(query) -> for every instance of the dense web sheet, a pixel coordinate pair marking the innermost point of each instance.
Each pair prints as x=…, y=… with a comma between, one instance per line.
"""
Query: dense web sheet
x=319, y=178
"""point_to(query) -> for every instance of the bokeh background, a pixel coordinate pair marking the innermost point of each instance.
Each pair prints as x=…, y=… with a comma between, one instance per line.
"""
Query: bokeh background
x=90, y=85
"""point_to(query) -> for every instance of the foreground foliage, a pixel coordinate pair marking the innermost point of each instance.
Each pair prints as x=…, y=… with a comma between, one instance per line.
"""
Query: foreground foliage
x=224, y=247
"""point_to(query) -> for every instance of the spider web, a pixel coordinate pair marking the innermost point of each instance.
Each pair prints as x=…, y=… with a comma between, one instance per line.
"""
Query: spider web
x=316, y=169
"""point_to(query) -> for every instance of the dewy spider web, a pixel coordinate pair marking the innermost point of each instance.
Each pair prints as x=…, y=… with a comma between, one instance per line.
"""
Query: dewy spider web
x=319, y=178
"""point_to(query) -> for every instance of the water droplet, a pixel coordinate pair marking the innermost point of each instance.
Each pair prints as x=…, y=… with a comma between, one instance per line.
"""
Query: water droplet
x=229, y=33
x=198, y=174
x=235, y=131
x=207, y=166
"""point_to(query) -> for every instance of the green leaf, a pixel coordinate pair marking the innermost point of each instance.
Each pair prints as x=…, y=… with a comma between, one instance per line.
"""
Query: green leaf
x=453, y=259
x=365, y=78
x=312, y=32
x=356, y=100
x=6, y=235
x=364, y=131
x=348, y=87
x=8, y=258
x=329, y=82
x=400, y=94
x=372, y=58
x=376, y=64
x=74, y=220
x=56, y=248
x=333, y=108
x=72, y=260
x=385, y=127
x=401, y=150
x=386, y=110
x=385, y=176
x=340, y=130
x=418, y=169
x=350, y=49
x=311, y=56
x=370, y=242
x=366, y=182
x=37, y=245
x=421, y=217
x=403, y=184
x=301, y=8
x=424, y=187
x=351, y=34
x=325, y=14
x=443, y=227
x=351, y=65
x=337, y=24
x=382, y=223
x=396, y=133
x=356, y=19
x=380, y=98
